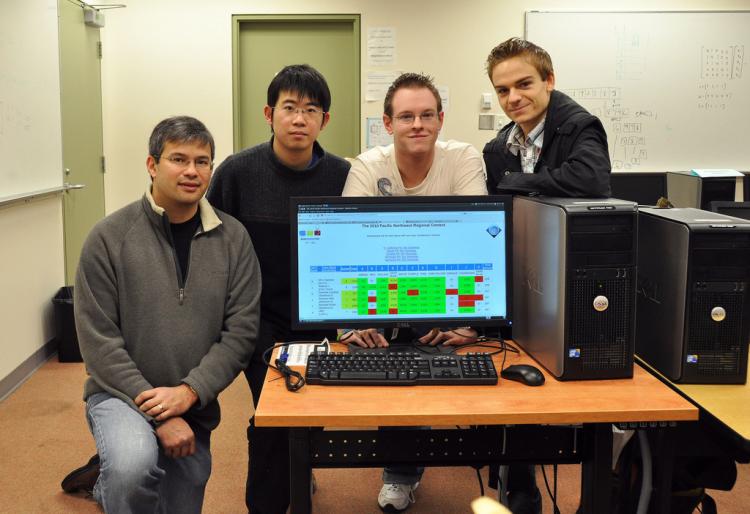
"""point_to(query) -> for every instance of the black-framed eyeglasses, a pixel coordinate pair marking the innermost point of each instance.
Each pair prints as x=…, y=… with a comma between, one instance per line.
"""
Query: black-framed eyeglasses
x=426, y=117
x=290, y=111
x=181, y=162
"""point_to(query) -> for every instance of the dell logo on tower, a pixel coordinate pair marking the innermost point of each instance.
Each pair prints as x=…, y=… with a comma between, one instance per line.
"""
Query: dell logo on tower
x=601, y=303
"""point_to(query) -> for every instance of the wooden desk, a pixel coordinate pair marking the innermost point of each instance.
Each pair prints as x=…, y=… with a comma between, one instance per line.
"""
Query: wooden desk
x=724, y=409
x=518, y=417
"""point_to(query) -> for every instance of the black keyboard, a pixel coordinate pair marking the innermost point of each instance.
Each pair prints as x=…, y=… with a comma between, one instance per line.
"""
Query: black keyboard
x=378, y=367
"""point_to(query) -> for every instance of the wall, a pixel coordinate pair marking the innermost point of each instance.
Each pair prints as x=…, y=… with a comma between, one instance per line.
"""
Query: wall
x=31, y=259
x=174, y=56
x=31, y=271
x=170, y=57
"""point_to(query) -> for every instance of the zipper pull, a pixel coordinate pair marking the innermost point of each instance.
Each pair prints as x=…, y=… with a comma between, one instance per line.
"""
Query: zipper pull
x=181, y=295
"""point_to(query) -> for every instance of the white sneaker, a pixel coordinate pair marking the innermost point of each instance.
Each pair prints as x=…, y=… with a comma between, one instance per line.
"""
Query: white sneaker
x=396, y=497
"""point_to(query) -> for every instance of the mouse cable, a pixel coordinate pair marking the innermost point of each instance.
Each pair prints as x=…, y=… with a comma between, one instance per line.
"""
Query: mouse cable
x=477, y=467
x=553, y=496
x=482, y=342
x=486, y=342
x=504, y=348
x=479, y=477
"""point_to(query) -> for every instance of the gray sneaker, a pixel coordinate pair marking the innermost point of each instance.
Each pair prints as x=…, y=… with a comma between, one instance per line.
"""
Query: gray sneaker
x=396, y=497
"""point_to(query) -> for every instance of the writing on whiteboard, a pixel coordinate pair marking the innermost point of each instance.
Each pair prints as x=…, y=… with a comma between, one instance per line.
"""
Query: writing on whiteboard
x=722, y=63
x=630, y=59
x=720, y=69
x=625, y=126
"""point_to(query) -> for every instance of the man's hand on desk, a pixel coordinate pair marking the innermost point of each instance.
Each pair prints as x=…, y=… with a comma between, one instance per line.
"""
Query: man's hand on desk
x=371, y=338
x=368, y=338
x=461, y=335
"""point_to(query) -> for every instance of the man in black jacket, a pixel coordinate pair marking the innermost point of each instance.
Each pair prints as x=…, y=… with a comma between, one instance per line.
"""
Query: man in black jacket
x=552, y=146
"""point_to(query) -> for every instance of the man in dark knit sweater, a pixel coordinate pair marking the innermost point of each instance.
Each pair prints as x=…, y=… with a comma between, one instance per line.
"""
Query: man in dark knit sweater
x=254, y=186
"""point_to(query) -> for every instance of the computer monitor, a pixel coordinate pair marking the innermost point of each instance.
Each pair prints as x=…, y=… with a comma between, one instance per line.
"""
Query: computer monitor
x=394, y=262
x=736, y=209
x=642, y=187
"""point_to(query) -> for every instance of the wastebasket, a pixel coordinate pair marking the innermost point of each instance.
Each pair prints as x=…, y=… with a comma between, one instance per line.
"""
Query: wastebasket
x=65, y=326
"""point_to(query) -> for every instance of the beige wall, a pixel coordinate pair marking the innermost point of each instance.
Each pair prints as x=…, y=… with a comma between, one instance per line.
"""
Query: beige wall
x=31, y=267
x=171, y=57
x=174, y=57
x=31, y=257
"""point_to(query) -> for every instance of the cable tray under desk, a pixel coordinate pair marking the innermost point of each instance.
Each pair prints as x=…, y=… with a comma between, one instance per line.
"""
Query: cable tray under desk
x=446, y=447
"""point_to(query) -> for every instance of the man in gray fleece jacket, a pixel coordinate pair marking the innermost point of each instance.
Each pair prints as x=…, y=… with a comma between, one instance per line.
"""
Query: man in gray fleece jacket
x=166, y=305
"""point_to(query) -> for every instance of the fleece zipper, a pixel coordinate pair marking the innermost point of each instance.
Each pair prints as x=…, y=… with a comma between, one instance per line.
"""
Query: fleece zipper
x=181, y=281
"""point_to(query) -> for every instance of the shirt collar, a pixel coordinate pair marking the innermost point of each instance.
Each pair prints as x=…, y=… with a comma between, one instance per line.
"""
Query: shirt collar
x=515, y=138
x=209, y=219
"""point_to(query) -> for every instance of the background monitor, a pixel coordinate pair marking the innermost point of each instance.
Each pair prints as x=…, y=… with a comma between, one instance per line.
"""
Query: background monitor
x=368, y=262
x=736, y=209
x=641, y=187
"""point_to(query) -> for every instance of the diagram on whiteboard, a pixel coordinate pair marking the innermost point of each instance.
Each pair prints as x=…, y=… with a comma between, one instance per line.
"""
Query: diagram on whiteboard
x=664, y=83
x=721, y=68
x=628, y=143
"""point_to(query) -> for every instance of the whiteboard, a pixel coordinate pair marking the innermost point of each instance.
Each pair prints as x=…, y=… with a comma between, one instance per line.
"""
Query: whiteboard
x=672, y=88
x=30, y=125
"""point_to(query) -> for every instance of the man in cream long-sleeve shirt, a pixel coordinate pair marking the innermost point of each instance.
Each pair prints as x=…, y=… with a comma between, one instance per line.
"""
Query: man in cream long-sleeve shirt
x=456, y=169
x=415, y=164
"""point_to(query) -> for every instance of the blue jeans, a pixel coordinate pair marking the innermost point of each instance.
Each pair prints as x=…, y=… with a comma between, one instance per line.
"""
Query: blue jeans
x=136, y=476
x=403, y=473
x=407, y=475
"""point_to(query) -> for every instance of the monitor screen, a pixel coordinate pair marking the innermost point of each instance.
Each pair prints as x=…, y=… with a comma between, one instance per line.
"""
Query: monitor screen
x=368, y=262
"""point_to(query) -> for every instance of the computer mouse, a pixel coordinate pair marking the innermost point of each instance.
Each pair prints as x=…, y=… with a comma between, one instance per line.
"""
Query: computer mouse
x=524, y=373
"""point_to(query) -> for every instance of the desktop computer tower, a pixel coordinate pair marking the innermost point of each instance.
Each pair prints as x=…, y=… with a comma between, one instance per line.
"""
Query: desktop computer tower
x=574, y=264
x=687, y=190
x=693, y=303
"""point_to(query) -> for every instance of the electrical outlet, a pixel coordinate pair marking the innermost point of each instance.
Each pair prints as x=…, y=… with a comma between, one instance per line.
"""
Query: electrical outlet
x=486, y=122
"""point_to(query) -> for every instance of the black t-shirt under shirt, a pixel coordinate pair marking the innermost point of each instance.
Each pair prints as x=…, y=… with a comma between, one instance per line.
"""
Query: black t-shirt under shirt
x=182, y=235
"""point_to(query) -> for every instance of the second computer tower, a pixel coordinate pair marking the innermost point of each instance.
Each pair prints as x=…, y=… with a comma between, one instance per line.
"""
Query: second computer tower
x=685, y=189
x=574, y=264
x=693, y=304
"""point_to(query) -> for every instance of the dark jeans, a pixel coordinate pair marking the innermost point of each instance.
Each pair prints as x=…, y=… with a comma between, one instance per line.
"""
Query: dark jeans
x=267, y=490
x=521, y=477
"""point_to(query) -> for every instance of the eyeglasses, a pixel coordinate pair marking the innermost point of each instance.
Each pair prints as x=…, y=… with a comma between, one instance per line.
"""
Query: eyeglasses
x=409, y=118
x=201, y=163
x=289, y=111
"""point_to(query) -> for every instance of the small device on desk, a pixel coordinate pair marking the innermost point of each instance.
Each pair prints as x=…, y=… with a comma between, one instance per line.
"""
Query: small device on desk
x=379, y=367
x=400, y=261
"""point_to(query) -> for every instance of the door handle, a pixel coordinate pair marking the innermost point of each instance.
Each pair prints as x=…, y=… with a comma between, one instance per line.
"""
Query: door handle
x=68, y=186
